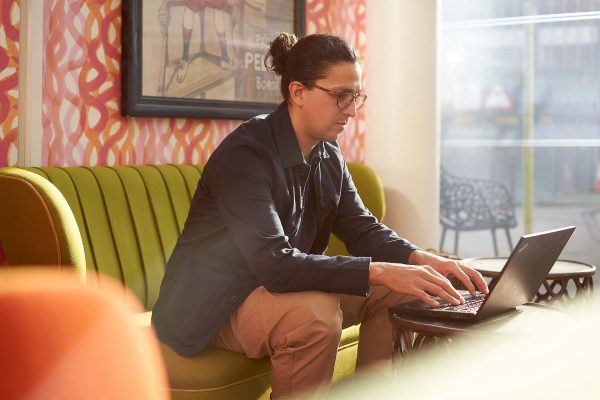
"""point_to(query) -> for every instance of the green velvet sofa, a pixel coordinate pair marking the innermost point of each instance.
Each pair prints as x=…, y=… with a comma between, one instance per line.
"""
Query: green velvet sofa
x=123, y=222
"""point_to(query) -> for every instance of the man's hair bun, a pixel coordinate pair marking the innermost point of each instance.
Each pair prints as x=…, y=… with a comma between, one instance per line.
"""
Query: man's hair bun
x=279, y=49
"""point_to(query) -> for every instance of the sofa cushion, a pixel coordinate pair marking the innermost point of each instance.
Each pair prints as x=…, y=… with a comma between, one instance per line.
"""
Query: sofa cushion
x=222, y=374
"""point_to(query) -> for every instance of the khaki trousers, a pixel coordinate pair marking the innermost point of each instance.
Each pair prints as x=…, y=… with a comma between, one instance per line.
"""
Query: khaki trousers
x=300, y=332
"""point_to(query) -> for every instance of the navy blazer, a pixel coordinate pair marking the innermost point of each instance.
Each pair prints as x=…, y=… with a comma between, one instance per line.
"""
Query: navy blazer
x=247, y=209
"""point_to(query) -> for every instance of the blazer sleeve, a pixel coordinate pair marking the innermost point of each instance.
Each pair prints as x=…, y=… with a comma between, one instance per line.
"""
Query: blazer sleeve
x=360, y=231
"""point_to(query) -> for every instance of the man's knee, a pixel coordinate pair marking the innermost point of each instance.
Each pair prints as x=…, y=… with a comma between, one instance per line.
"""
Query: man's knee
x=385, y=298
x=315, y=318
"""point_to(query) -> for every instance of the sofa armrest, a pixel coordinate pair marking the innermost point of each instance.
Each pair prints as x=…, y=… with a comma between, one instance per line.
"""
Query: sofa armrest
x=37, y=226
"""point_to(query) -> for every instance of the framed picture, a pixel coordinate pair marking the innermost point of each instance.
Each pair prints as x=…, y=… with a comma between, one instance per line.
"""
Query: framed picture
x=202, y=58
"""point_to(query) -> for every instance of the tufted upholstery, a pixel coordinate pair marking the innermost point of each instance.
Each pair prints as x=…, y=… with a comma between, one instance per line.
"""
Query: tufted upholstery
x=129, y=218
x=126, y=221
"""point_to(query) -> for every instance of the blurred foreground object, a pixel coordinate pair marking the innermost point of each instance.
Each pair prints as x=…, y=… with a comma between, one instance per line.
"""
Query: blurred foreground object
x=63, y=339
x=553, y=362
x=417, y=332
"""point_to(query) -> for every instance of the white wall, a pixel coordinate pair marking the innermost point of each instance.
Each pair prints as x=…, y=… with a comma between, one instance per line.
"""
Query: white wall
x=30, y=83
x=402, y=140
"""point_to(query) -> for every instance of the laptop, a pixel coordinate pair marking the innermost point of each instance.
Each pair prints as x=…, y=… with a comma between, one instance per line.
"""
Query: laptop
x=524, y=272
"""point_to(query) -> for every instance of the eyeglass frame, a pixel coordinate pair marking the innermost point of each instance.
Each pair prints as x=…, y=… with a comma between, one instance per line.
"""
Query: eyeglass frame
x=355, y=96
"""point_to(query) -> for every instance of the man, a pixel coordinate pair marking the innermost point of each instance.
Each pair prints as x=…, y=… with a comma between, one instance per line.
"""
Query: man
x=248, y=273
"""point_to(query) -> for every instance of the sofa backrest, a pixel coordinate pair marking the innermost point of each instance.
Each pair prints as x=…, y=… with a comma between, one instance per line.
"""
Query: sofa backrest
x=369, y=187
x=129, y=217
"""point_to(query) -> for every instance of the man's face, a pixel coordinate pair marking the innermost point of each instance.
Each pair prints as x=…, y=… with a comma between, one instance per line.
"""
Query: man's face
x=324, y=119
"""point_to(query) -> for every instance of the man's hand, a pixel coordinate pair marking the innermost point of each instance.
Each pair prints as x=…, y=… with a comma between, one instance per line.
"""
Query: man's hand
x=415, y=280
x=427, y=276
x=446, y=267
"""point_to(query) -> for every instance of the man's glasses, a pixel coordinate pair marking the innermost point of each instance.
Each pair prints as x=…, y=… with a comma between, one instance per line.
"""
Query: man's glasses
x=343, y=98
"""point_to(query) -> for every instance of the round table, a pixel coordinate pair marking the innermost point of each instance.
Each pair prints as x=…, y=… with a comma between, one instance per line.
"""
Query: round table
x=556, y=286
x=529, y=319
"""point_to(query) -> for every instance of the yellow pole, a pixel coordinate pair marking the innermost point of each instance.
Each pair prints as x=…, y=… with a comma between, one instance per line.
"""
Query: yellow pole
x=528, y=123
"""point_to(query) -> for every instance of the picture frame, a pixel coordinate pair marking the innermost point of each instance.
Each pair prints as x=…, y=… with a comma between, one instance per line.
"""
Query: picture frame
x=202, y=58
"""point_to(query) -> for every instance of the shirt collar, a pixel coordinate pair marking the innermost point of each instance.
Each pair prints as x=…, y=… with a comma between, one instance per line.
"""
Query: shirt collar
x=286, y=141
x=318, y=153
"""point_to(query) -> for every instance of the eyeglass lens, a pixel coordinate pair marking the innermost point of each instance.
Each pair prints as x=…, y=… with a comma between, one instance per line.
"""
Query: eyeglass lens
x=344, y=99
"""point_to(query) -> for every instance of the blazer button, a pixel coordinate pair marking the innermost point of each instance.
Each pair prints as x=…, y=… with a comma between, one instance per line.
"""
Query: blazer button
x=234, y=299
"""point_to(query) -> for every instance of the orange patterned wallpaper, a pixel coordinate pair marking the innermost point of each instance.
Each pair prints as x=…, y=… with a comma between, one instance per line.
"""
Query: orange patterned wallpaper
x=82, y=124
x=9, y=80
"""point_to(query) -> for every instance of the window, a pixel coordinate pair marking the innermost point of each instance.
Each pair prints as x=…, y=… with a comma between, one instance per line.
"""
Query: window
x=520, y=105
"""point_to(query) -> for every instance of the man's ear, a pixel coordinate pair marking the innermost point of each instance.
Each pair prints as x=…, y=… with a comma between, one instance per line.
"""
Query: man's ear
x=296, y=93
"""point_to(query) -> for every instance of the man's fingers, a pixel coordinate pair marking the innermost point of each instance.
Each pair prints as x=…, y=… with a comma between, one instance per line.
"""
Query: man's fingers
x=469, y=277
x=481, y=284
x=445, y=287
x=439, y=279
x=478, y=279
x=462, y=276
x=442, y=293
x=425, y=298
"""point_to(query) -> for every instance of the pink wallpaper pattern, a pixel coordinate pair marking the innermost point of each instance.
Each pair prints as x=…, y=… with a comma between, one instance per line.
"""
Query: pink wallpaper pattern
x=346, y=18
x=82, y=124
x=9, y=80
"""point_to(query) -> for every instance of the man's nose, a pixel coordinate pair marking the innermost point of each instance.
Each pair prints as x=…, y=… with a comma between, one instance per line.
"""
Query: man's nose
x=350, y=109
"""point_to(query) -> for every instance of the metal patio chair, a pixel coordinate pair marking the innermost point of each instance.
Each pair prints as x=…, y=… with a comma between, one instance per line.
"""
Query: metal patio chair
x=469, y=204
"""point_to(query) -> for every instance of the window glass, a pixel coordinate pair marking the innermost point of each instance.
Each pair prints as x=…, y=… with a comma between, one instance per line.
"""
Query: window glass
x=520, y=107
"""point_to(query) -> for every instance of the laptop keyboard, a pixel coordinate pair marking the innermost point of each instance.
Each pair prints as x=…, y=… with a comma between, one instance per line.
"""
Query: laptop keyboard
x=471, y=304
